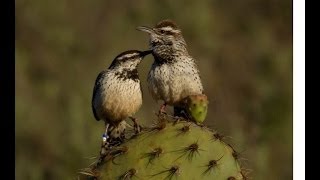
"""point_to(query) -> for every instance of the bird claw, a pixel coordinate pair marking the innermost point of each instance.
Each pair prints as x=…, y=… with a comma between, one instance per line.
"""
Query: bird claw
x=162, y=112
x=163, y=109
x=137, y=128
x=177, y=119
x=107, y=146
x=103, y=152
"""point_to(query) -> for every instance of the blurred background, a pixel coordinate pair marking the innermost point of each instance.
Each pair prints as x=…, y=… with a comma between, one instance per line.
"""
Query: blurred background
x=244, y=53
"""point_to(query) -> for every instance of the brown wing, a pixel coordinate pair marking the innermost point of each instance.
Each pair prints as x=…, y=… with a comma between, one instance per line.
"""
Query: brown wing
x=97, y=86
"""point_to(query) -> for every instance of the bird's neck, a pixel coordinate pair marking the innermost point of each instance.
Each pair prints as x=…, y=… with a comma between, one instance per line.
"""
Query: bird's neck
x=169, y=54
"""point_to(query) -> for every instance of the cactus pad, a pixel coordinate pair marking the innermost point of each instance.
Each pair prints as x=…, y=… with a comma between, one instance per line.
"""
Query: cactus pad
x=181, y=150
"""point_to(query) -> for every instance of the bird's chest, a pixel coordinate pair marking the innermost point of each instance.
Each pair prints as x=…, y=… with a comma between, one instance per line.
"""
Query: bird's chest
x=122, y=96
x=166, y=82
x=122, y=89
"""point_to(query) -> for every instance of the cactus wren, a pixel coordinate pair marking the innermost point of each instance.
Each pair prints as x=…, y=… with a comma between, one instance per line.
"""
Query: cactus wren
x=117, y=94
x=174, y=74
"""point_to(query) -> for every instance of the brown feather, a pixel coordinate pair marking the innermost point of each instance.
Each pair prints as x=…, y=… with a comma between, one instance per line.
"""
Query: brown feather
x=166, y=23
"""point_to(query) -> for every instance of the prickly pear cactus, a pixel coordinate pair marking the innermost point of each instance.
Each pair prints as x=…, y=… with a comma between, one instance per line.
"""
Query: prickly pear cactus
x=170, y=150
x=196, y=106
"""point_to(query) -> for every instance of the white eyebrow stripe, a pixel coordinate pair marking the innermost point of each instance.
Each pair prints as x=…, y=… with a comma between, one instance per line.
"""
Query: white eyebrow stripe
x=168, y=28
x=128, y=56
x=175, y=31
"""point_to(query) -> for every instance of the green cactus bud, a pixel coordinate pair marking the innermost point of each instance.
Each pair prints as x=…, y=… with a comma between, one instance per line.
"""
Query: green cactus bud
x=196, y=107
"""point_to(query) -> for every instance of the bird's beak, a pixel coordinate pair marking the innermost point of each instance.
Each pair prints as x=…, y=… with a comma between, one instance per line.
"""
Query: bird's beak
x=145, y=29
x=144, y=53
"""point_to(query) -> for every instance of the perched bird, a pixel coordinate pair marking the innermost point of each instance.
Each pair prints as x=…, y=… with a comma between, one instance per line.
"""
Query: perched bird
x=174, y=74
x=117, y=93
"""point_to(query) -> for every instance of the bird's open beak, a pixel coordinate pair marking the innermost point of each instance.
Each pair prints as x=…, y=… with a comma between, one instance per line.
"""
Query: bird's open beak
x=145, y=29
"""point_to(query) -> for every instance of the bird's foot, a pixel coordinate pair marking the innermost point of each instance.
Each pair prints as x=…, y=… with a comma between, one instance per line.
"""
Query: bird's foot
x=177, y=119
x=105, y=148
x=162, y=110
x=108, y=144
x=137, y=128
x=105, y=144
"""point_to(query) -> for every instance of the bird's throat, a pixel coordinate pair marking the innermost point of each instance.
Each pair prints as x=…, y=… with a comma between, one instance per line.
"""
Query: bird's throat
x=126, y=74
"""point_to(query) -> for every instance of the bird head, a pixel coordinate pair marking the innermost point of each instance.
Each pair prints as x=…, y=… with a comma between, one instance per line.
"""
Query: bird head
x=165, y=38
x=129, y=59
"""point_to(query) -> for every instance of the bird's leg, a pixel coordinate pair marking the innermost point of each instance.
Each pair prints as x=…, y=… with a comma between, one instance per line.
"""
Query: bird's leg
x=136, y=126
x=123, y=136
x=163, y=109
x=105, y=143
x=105, y=135
x=180, y=114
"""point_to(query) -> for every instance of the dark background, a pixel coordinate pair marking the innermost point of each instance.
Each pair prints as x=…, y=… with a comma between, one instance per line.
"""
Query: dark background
x=244, y=53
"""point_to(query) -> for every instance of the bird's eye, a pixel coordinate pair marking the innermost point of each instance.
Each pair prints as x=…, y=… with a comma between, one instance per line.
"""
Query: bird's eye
x=162, y=31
